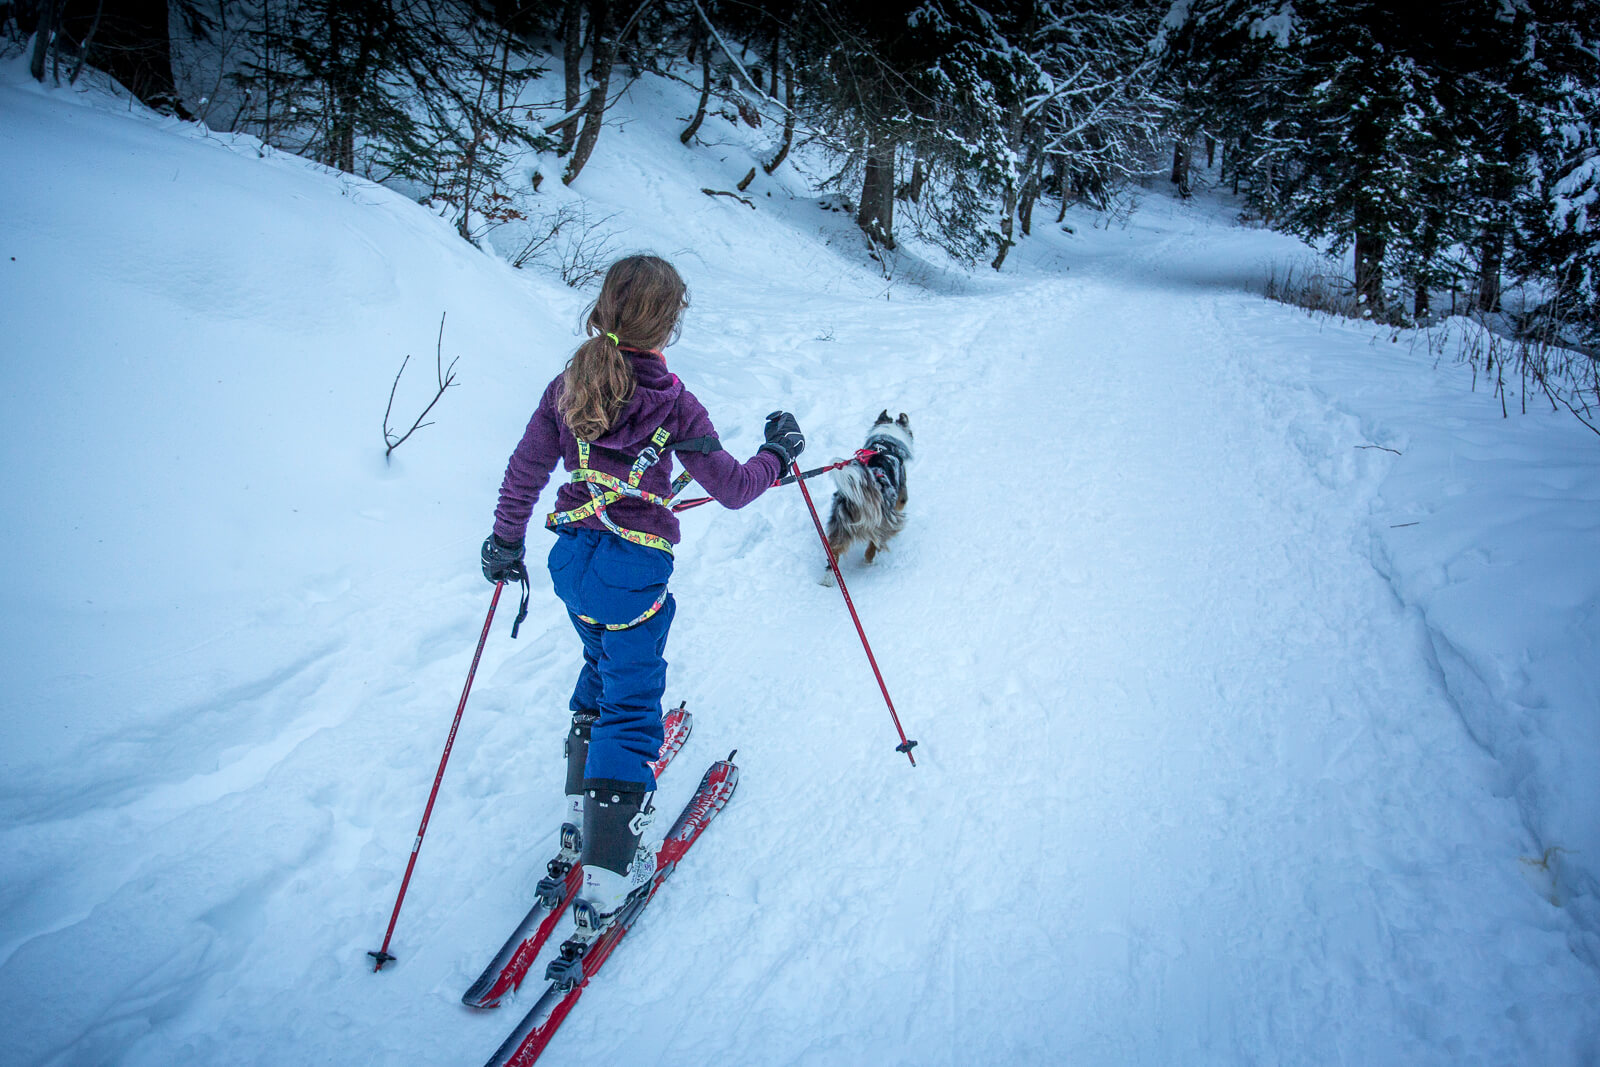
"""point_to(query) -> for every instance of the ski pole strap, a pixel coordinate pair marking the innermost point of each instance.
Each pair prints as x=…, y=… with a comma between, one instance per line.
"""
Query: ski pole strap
x=520, y=573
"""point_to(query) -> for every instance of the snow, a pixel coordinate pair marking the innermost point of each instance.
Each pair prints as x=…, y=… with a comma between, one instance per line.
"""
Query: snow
x=1575, y=194
x=1279, y=27
x=1242, y=738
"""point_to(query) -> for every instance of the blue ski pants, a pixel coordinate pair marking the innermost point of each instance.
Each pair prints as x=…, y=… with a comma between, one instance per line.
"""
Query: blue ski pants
x=612, y=581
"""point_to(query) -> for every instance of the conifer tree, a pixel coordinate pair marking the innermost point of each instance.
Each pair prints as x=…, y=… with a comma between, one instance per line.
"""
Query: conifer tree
x=1558, y=218
x=1227, y=64
x=420, y=91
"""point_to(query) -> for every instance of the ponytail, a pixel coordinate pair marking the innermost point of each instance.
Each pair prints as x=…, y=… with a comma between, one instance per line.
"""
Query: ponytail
x=596, y=386
x=640, y=301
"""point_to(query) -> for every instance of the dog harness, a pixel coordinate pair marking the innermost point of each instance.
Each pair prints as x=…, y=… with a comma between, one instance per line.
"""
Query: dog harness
x=606, y=489
x=887, y=465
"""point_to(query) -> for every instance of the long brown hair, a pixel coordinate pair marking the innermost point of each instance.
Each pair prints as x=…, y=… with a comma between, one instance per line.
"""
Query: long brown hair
x=638, y=307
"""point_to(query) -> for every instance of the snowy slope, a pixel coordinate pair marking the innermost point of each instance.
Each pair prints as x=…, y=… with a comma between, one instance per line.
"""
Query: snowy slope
x=1204, y=777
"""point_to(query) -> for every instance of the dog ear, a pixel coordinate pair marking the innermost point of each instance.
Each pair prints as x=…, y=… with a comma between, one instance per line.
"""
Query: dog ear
x=884, y=417
x=902, y=420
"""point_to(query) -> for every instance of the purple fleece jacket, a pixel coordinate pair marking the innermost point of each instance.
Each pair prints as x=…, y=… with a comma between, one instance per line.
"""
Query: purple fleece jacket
x=659, y=400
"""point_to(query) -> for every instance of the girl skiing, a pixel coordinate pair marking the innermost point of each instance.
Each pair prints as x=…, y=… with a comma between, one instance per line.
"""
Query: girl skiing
x=614, y=417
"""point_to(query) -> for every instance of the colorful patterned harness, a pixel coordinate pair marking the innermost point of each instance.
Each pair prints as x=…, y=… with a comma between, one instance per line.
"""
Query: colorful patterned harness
x=606, y=489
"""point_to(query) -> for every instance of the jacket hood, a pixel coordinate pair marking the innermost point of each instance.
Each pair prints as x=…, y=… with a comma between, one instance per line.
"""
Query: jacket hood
x=654, y=396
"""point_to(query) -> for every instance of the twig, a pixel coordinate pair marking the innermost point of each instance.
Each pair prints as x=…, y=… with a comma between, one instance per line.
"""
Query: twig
x=446, y=377
x=1402, y=525
x=1575, y=414
x=724, y=192
x=751, y=82
x=88, y=41
x=1378, y=446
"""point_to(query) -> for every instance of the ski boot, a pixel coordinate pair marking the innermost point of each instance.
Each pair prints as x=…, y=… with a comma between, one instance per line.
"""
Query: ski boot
x=552, y=888
x=617, y=868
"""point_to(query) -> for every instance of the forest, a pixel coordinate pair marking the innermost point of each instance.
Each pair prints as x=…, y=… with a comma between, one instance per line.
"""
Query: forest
x=1450, y=150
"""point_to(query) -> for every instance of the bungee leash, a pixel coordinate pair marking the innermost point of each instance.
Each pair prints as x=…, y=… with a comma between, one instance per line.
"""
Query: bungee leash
x=861, y=456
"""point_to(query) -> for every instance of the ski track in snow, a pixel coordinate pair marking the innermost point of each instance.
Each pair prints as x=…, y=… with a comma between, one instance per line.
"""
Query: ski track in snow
x=1190, y=788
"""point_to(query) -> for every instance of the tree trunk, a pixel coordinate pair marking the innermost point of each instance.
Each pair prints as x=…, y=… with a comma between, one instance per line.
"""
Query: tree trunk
x=1008, y=216
x=876, y=215
x=1494, y=247
x=339, y=118
x=705, y=89
x=353, y=41
x=912, y=190
x=1369, y=269
x=132, y=44
x=1065, y=187
x=1422, y=278
x=1180, y=167
x=1030, y=193
x=777, y=49
x=788, y=123
x=88, y=42
x=346, y=147
x=44, y=33
x=1211, y=151
x=572, y=68
x=1005, y=232
x=469, y=175
x=479, y=136
x=594, y=113
x=1017, y=193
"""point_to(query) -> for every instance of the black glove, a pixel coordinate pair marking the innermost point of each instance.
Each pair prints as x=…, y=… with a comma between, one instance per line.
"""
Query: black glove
x=502, y=559
x=784, y=438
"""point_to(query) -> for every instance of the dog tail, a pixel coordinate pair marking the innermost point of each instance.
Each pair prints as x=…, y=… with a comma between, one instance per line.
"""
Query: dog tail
x=857, y=491
x=856, y=498
x=861, y=506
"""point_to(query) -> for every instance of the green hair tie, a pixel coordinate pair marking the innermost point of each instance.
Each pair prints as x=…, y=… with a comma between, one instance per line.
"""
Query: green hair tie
x=614, y=339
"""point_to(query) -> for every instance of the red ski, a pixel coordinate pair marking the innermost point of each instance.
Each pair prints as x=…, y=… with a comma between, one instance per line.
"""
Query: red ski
x=531, y=1036
x=510, y=965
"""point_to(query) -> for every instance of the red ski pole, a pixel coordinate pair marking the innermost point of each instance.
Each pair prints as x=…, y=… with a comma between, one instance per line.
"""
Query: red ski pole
x=382, y=955
x=905, y=745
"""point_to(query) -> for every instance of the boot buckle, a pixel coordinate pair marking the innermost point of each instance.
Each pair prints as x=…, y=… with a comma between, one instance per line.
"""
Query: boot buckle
x=585, y=918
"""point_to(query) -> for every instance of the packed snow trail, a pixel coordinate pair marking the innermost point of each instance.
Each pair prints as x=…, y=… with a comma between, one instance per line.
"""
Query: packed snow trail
x=1190, y=788
x=1193, y=790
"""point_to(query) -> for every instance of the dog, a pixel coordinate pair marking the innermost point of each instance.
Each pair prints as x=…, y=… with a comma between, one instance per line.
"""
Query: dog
x=869, y=501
